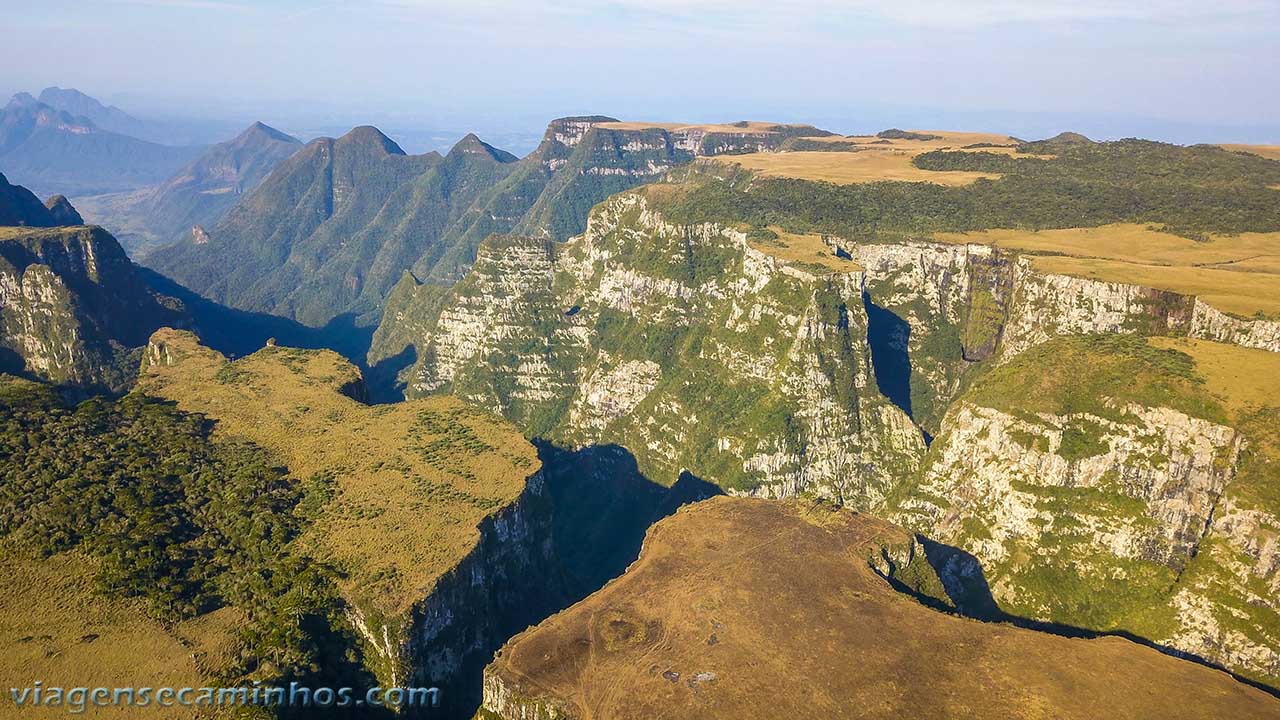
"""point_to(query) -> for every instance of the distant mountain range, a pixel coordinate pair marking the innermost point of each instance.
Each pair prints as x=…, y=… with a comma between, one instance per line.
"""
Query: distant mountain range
x=106, y=117
x=332, y=229
x=51, y=150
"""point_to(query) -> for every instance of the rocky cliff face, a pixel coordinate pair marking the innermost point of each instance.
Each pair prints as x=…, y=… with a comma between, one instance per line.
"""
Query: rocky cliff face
x=699, y=348
x=684, y=344
x=943, y=308
x=438, y=514
x=1134, y=509
x=73, y=309
x=578, y=338
x=510, y=580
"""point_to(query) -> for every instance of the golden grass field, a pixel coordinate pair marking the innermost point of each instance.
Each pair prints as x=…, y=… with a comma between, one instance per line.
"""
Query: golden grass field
x=716, y=619
x=413, y=479
x=1266, y=151
x=1238, y=274
x=1247, y=382
x=1240, y=293
x=874, y=160
x=1243, y=378
x=805, y=249
x=56, y=629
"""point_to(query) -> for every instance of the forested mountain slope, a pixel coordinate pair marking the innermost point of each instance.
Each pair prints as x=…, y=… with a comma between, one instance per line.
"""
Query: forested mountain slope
x=331, y=231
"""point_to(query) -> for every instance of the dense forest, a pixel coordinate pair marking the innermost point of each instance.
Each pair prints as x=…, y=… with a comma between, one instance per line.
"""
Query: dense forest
x=183, y=522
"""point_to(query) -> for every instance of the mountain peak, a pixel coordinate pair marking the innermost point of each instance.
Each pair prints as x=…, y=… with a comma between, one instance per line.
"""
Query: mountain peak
x=62, y=211
x=1070, y=138
x=55, y=95
x=22, y=99
x=370, y=136
x=262, y=130
x=473, y=145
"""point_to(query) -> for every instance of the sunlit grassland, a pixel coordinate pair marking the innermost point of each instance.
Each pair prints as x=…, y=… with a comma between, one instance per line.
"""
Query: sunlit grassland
x=35, y=233
x=1243, y=378
x=1247, y=381
x=55, y=628
x=399, y=488
x=1240, y=293
x=748, y=127
x=1238, y=274
x=1266, y=151
x=844, y=168
x=804, y=249
x=864, y=159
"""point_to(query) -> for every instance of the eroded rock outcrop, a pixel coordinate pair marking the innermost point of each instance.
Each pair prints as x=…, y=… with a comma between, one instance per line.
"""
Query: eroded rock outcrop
x=73, y=309
x=686, y=344
x=1100, y=487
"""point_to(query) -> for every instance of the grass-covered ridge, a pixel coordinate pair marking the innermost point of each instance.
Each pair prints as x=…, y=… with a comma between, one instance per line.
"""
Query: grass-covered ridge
x=397, y=491
x=717, y=618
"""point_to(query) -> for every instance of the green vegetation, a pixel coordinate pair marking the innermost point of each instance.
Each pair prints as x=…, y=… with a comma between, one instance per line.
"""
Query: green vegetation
x=79, y=309
x=1191, y=190
x=406, y=484
x=896, y=134
x=1096, y=374
x=198, y=194
x=184, y=523
x=1081, y=439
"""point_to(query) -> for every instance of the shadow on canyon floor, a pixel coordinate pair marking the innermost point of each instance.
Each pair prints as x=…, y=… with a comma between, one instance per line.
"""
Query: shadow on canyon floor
x=600, y=507
x=889, y=337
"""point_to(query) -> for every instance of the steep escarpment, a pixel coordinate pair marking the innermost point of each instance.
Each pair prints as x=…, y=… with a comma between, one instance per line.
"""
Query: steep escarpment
x=692, y=629
x=1107, y=485
x=73, y=309
x=939, y=310
x=741, y=361
x=582, y=161
x=434, y=512
x=580, y=340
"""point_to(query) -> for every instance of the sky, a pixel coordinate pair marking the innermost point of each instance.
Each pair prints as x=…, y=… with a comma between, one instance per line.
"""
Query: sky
x=1181, y=70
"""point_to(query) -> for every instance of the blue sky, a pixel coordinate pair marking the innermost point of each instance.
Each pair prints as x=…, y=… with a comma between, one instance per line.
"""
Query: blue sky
x=1178, y=69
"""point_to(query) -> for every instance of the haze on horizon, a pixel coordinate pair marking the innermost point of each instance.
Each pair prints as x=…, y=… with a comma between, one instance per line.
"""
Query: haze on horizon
x=1177, y=70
